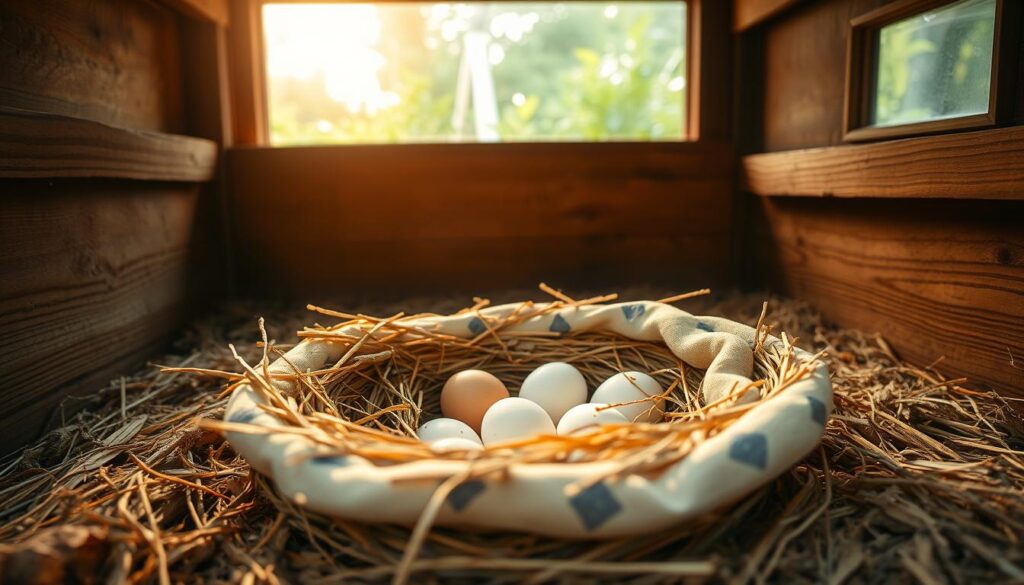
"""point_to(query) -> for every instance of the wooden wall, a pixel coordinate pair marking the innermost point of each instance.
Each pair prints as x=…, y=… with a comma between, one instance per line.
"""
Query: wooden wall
x=906, y=238
x=101, y=241
x=107, y=61
x=322, y=221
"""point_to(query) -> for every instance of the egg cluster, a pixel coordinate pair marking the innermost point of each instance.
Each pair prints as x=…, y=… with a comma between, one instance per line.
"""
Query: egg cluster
x=478, y=409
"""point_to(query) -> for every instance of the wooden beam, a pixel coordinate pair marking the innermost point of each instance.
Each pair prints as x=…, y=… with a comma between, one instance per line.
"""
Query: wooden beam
x=212, y=10
x=748, y=13
x=38, y=145
x=245, y=57
x=988, y=164
x=941, y=280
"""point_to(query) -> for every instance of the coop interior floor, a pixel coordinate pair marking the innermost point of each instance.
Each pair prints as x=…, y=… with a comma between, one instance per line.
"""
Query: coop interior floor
x=917, y=478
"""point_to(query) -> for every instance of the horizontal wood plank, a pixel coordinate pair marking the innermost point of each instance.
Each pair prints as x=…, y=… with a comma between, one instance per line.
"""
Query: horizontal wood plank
x=750, y=13
x=37, y=145
x=428, y=218
x=94, y=278
x=111, y=61
x=987, y=164
x=215, y=11
x=943, y=281
x=318, y=268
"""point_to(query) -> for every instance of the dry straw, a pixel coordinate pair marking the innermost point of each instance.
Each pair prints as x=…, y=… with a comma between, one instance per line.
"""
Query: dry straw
x=917, y=477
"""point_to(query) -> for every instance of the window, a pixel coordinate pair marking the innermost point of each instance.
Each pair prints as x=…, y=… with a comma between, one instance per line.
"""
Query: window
x=923, y=66
x=475, y=72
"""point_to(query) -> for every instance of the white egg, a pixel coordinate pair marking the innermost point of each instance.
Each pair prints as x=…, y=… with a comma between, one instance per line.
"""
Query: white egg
x=628, y=387
x=587, y=416
x=556, y=387
x=446, y=428
x=450, y=444
x=513, y=419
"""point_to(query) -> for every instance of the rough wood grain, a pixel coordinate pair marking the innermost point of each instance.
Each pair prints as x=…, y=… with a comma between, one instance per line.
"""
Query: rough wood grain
x=215, y=11
x=986, y=164
x=804, y=74
x=941, y=281
x=321, y=220
x=248, y=90
x=750, y=13
x=34, y=144
x=94, y=277
x=115, y=62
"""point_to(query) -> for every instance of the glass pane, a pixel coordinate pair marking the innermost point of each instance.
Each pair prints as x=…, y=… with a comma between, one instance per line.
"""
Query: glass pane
x=480, y=72
x=935, y=65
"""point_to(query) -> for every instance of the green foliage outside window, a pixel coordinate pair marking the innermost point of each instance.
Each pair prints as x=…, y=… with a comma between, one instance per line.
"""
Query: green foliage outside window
x=572, y=71
x=935, y=65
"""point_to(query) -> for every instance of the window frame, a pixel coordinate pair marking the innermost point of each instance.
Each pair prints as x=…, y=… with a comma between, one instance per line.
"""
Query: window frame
x=251, y=113
x=861, y=67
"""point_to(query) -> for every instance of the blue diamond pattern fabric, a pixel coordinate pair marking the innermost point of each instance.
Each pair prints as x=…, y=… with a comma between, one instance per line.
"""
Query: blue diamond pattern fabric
x=559, y=325
x=595, y=506
x=818, y=411
x=465, y=493
x=633, y=311
x=243, y=416
x=328, y=460
x=751, y=449
x=476, y=326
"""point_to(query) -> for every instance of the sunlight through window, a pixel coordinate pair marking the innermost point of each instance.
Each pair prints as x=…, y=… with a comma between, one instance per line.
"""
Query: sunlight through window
x=481, y=72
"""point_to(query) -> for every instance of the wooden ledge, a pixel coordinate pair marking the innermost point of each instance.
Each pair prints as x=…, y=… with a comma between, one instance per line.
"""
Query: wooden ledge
x=215, y=11
x=39, y=145
x=987, y=164
x=750, y=13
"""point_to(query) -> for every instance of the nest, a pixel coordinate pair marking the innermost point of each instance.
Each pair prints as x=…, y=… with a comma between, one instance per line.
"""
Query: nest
x=370, y=401
x=917, y=475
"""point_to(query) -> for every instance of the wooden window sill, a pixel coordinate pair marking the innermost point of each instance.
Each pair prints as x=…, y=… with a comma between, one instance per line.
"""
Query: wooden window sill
x=986, y=164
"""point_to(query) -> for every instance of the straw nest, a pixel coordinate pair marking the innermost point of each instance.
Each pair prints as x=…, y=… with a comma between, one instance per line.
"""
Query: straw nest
x=917, y=476
x=388, y=382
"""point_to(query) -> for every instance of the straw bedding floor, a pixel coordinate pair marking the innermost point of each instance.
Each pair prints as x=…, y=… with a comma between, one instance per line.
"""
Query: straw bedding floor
x=918, y=479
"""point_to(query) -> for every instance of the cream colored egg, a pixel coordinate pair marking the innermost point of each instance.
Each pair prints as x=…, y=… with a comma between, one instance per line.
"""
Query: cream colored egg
x=446, y=428
x=556, y=387
x=451, y=444
x=514, y=419
x=467, y=395
x=587, y=417
x=630, y=387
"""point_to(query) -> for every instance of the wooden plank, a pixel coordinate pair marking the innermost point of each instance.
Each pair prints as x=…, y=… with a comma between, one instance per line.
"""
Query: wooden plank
x=248, y=89
x=322, y=220
x=711, y=74
x=94, y=277
x=105, y=60
x=215, y=11
x=315, y=269
x=41, y=145
x=804, y=74
x=942, y=280
x=207, y=104
x=987, y=164
x=749, y=13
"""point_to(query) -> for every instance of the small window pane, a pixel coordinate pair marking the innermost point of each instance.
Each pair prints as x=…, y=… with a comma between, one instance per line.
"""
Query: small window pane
x=475, y=72
x=935, y=65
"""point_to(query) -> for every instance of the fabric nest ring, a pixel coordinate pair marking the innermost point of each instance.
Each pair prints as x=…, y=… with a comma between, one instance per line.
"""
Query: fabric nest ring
x=331, y=420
